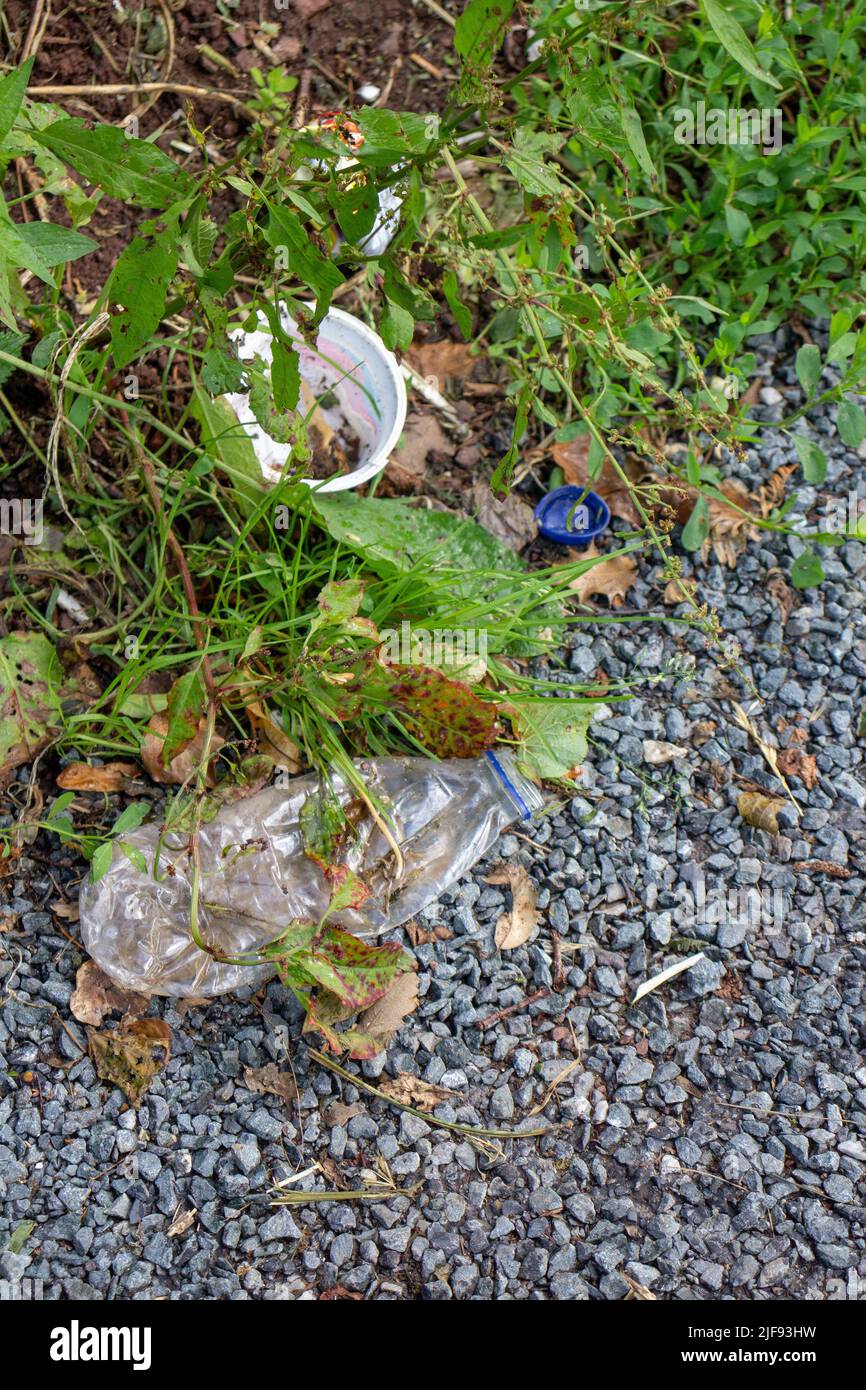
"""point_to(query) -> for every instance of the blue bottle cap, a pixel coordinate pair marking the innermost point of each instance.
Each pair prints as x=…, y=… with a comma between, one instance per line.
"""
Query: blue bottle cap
x=589, y=518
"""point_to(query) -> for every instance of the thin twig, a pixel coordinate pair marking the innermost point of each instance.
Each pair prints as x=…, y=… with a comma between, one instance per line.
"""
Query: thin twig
x=514, y=1008
x=472, y=1130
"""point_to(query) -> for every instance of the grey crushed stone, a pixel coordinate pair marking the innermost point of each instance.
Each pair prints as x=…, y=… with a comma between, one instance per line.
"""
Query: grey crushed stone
x=713, y=1139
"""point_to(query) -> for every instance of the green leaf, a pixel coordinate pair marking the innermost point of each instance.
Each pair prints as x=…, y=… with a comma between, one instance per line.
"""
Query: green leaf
x=812, y=459
x=285, y=233
x=139, y=282
x=56, y=245
x=135, y=856
x=20, y=254
x=131, y=817
x=527, y=164
x=100, y=860
x=187, y=702
x=356, y=209
x=697, y=528
x=479, y=31
x=445, y=715
x=633, y=129
x=737, y=223
x=134, y=171
x=285, y=375
x=808, y=365
x=396, y=327
x=356, y=972
x=552, y=734
x=851, y=424
x=12, y=89
x=31, y=685
x=221, y=371
x=24, y=1230
x=735, y=41
x=462, y=315
x=807, y=571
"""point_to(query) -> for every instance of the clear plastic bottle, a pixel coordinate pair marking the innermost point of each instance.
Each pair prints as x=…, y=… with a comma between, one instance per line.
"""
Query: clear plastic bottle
x=256, y=878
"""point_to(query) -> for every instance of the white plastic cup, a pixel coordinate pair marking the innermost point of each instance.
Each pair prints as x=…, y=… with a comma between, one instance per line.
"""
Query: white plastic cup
x=351, y=363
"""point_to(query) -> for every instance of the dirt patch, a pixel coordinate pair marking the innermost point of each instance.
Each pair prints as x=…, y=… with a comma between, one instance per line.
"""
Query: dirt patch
x=335, y=48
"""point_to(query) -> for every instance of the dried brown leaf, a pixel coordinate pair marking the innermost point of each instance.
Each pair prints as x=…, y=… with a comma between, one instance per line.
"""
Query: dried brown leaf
x=126, y=1058
x=96, y=995
x=572, y=458
x=81, y=777
x=182, y=1223
x=760, y=810
x=413, y=1090
x=270, y=1081
x=184, y=765
x=657, y=752
x=442, y=360
x=338, y=1113
x=612, y=578
x=509, y=519
x=383, y=1018
x=794, y=762
x=515, y=927
x=272, y=740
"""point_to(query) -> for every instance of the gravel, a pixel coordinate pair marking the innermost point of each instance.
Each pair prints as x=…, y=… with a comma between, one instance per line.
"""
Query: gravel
x=709, y=1142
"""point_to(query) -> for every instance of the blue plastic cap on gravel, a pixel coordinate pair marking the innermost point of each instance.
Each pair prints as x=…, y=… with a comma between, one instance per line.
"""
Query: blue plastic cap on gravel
x=590, y=518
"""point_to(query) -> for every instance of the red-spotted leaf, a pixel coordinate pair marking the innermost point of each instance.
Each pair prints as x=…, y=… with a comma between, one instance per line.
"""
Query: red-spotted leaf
x=445, y=715
x=356, y=972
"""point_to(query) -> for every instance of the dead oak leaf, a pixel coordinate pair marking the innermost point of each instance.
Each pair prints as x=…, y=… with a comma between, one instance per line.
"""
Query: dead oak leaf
x=441, y=360
x=272, y=740
x=96, y=995
x=612, y=578
x=515, y=927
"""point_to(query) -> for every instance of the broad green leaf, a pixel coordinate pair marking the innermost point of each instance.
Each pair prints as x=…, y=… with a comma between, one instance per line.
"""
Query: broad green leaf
x=462, y=315
x=20, y=254
x=24, y=1230
x=851, y=424
x=807, y=571
x=444, y=715
x=737, y=223
x=812, y=459
x=31, y=685
x=290, y=239
x=479, y=31
x=12, y=89
x=56, y=245
x=356, y=208
x=697, y=528
x=100, y=860
x=285, y=375
x=221, y=371
x=733, y=38
x=139, y=282
x=187, y=702
x=396, y=327
x=552, y=734
x=134, y=171
x=808, y=365
x=527, y=164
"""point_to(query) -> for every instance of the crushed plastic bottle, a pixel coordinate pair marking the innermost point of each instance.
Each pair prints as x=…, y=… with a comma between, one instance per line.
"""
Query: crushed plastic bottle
x=256, y=877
